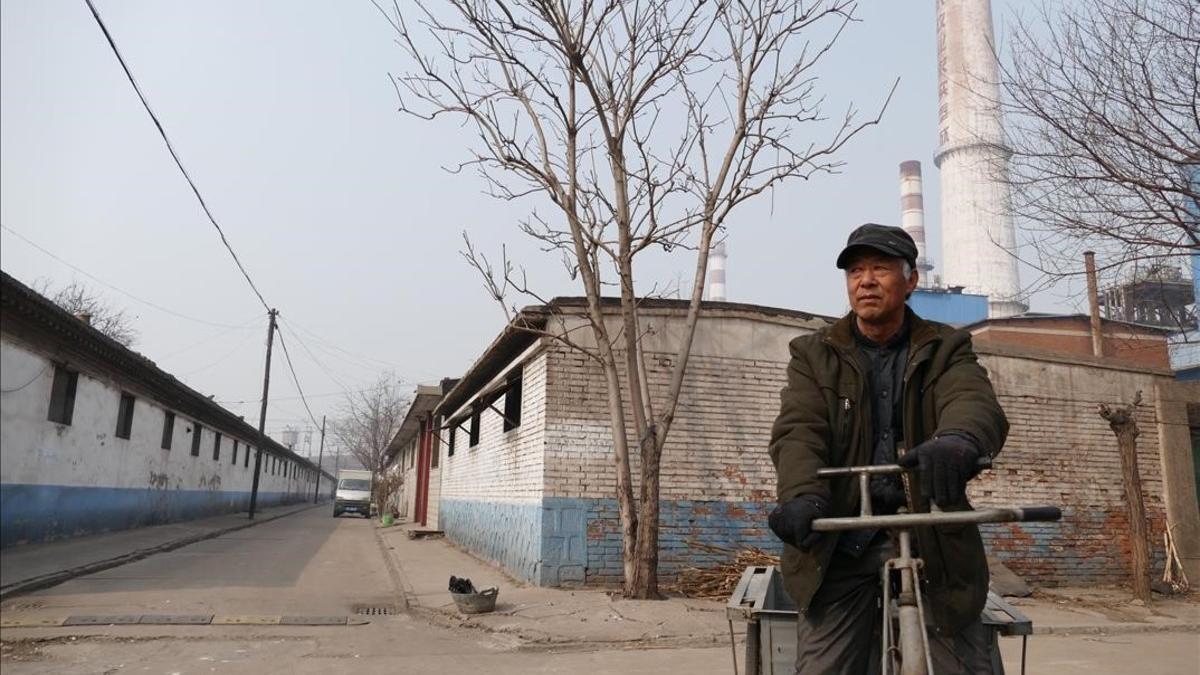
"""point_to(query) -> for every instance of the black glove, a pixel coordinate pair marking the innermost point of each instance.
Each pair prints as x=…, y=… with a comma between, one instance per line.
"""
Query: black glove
x=792, y=522
x=945, y=464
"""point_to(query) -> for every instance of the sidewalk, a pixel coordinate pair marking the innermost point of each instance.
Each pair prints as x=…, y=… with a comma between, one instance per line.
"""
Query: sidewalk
x=547, y=617
x=31, y=567
x=537, y=617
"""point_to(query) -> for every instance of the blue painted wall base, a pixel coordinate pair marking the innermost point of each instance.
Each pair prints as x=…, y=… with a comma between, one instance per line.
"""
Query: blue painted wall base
x=565, y=542
x=38, y=513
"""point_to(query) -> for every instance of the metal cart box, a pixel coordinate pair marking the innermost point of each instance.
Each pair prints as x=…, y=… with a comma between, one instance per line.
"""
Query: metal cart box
x=770, y=616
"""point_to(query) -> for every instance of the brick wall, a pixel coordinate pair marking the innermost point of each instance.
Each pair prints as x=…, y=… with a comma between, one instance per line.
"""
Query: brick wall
x=555, y=475
x=490, y=495
x=718, y=483
x=1061, y=452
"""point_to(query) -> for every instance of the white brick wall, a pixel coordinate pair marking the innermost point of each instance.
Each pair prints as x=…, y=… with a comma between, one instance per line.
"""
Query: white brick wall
x=503, y=465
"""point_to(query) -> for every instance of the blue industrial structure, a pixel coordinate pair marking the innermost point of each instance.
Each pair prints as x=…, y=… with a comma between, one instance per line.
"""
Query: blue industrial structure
x=949, y=305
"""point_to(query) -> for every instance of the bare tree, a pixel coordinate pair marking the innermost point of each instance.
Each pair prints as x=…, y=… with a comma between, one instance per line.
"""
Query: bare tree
x=369, y=419
x=89, y=305
x=635, y=125
x=1104, y=123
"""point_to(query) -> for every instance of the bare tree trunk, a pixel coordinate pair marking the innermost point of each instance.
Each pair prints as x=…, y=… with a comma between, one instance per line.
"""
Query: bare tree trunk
x=1123, y=421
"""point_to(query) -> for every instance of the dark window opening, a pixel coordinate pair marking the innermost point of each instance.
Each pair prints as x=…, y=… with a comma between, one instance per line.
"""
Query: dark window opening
x=196, y=431
x=235, y=449
x=512, y=403
x=450, y=442
x=168, y=429
x=217, y=447
x=435, y=449
x=246, y=459
x=62, y=395
x=473, y=439
x=125, y=416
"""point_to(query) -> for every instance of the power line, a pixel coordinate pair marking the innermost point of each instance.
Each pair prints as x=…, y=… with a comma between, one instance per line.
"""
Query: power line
x=360, y=357
x=320, y=365
x=210, y=338
x=122, y=291
x=170, y=148
x=236, y=348
x=295, y=380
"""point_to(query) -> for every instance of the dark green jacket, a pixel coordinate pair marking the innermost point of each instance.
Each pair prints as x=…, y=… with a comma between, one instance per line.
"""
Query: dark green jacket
x=824, y=421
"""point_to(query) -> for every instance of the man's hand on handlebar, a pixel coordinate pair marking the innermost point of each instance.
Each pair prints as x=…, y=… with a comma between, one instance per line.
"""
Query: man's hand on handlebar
x=792, y=522
x=944, y=465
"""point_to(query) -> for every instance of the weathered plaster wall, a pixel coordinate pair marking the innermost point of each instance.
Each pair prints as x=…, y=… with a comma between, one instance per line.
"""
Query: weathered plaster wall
x=62, y=480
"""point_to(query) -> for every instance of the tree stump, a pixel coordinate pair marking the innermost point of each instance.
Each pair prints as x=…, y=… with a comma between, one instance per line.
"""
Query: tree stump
x=1123, y=422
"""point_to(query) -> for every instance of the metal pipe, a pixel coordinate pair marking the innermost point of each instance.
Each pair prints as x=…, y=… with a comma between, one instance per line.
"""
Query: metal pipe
x=1089, y=262
x=864, y=493
x=901, y=520
x=911, y=627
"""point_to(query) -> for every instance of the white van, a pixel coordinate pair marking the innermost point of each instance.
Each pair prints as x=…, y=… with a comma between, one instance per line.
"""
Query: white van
x=353, y=493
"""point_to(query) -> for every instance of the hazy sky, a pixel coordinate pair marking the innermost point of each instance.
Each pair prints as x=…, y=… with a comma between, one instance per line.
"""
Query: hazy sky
x=337, y=204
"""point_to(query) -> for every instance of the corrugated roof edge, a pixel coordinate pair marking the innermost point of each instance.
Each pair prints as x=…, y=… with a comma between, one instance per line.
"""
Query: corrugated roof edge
x=20, y=302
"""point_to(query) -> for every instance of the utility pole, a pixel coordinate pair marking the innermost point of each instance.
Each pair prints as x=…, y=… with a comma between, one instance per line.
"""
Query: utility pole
x=262, y=415
x=337, y=465
x=320, y=454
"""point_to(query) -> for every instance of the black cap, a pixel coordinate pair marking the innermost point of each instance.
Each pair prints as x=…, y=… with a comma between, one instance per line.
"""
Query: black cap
x=886, y=239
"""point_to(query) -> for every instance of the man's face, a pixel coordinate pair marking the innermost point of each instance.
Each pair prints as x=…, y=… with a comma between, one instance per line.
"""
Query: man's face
x=877, y=286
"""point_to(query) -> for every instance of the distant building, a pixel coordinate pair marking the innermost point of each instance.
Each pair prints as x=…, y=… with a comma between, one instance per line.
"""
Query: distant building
x=948, y=305
x=95, y=437
x=1185, y=346
x=1070, y=335
x=1154, y=295
x=415, y=452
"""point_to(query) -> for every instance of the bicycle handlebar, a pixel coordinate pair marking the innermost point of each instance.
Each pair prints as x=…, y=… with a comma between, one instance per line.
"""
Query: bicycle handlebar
x=876, y=469
x=905, y=520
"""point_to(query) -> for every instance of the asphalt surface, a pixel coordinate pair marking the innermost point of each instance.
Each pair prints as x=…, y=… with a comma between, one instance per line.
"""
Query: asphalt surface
x=311, y=565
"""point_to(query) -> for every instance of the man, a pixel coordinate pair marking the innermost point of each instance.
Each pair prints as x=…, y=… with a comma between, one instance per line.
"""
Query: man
x=861, y=391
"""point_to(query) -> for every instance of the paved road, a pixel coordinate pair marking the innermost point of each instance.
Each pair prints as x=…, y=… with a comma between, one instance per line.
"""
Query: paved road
x=311, y=564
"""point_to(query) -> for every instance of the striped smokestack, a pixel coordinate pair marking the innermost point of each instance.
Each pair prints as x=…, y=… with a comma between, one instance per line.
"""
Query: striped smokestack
x=912, y=214
x=716, y=273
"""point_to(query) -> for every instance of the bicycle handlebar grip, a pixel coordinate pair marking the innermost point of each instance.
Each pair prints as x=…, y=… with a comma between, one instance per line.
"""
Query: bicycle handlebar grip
x=1041, y=513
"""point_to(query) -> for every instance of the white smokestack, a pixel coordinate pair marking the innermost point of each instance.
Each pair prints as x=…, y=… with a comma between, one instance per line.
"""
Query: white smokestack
x=912, y=215
x=716, y=273
x=977, y=229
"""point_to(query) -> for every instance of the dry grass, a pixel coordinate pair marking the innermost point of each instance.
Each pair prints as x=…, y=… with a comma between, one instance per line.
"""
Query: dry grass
x=719, y=581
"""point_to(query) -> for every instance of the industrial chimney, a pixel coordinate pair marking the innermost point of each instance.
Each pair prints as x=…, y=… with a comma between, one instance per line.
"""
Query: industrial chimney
x=977, y=229
x=716, y=273
x=912, y=216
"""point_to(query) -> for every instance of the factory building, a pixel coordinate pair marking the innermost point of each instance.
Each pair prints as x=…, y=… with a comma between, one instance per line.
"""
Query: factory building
x=95, y=437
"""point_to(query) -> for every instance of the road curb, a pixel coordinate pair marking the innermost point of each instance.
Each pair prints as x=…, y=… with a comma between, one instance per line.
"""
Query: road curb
x=400, y=587
x=1117, y=629
x=55, y=578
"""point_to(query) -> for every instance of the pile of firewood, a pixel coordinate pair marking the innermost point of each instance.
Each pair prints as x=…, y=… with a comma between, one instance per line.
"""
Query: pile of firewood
x=719, y=581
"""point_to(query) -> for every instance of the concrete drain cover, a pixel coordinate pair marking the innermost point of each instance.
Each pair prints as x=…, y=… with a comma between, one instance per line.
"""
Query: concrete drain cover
x=177, y=619
x=312, y=621
x=375, y=610
x=103, y=620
